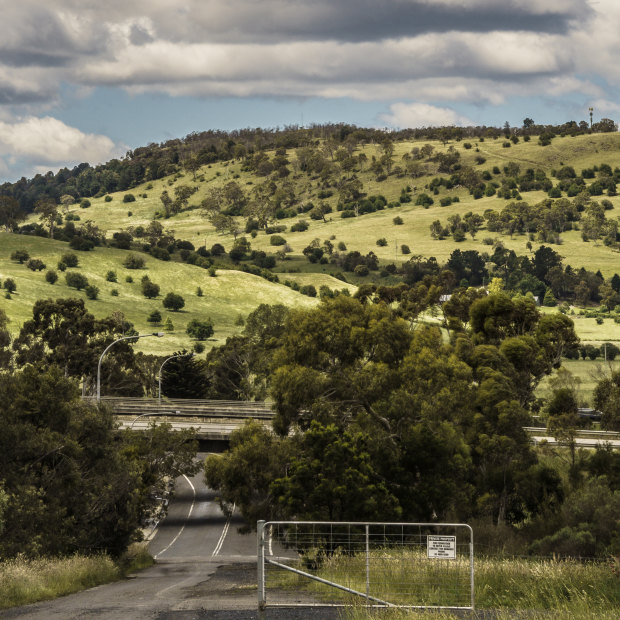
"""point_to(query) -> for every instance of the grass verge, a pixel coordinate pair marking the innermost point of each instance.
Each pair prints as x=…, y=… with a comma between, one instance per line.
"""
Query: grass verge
x=538, y=587
x=24, y=581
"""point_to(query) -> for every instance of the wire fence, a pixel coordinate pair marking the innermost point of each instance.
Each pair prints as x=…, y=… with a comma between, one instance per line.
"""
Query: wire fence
x=409, y=565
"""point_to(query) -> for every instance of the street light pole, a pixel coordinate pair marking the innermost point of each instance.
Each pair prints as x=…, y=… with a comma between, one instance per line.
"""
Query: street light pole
x=157, y=334
x=162, y=366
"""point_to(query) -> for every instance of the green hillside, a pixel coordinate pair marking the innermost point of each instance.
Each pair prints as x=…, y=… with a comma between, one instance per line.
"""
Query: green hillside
x=361, y=233
x=293, y=188
x=226, y=297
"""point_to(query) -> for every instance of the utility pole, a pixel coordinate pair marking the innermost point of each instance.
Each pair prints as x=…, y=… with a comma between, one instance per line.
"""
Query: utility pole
x=591, y=110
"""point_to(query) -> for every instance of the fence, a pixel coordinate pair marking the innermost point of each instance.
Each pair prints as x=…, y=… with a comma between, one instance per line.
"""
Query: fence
x=408, y=565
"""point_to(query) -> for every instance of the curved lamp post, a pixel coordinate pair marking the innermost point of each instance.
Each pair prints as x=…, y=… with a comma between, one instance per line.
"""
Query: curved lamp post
x=157, y=334
x=162, y=366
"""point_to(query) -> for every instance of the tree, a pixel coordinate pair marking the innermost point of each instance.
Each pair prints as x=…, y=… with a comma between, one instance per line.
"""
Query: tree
x=76, y=280
x=73, y=482
x=70, y=259
x=184, y=377
x=331, y=477
x=47, y=209
x=154, y=317
x=51, y=276
x=9, y=285
x=173, y=301
x=21, y=256
x=35, y=264
x=200, y=330
x=10, y=213
x=149, y=289
x=243, y=476
x=133, y=261
x=607, y=400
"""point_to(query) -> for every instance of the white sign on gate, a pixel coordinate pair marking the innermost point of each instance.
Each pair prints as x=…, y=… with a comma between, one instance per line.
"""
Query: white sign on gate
x=441, y=547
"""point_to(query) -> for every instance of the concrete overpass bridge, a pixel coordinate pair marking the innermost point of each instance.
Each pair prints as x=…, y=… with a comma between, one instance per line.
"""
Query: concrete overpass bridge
x=213, y=420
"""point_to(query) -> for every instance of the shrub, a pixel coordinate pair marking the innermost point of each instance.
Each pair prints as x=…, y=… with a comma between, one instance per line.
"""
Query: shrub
x=382, y=242
x=217, y=249
x=424, y=200
x=159, y=253
x=133, y=261
x=35, y=264
x=128, y=279
x=51, y=276
x=173, y=302
x=9, y=285
x=199, y=292
x=92, y=292
x=299, y=226
x=21, y=256
x=277, y=240
x=61, y=266
x=199, y=330
x=149, y=289
x=198, y=346
x=154, y=317
x=398, y=220
x=76, y=280
x=81, y=244
x=70, y=259
x=108, y=198
x=111, y=276
x=85, y=203
x=361, y=270
x=129, y=198
x=308, y=289
x=342, y=246
x=405, y=249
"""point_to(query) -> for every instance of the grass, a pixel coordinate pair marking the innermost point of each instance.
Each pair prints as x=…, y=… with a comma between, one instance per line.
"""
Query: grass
x=589, y=371
x=541, y=587
x=362, y=233
x=225, y=297
x=24, y=581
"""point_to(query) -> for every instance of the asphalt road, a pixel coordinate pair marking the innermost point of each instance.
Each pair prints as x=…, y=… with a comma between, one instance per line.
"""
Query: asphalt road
x=204, y=569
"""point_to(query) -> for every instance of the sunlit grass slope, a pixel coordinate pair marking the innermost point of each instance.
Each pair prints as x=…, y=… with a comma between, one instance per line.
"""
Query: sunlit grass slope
x=362, y=233
x=225, y=297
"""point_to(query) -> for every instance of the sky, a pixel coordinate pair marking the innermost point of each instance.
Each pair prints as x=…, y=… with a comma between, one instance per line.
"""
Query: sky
x=86, y=80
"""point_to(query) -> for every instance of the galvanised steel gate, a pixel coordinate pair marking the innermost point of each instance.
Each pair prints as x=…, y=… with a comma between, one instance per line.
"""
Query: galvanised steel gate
x=408, y=565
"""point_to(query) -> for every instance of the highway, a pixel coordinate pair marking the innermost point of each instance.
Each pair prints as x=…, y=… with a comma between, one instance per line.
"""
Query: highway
x=204, y=569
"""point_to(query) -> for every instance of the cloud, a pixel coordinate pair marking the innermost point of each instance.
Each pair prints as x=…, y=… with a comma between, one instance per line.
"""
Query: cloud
x=34, y=142
x=355, y=48
x=423, y=115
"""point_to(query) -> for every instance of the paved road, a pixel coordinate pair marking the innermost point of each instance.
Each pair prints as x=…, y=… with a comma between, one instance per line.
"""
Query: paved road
x=204, y=569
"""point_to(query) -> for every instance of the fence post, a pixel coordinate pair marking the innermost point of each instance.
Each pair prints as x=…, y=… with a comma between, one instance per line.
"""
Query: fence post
x=260, y=567
x=471, y=564
x=367, y=563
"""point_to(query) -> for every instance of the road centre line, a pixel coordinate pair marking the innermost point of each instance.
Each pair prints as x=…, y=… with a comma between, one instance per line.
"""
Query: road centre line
x=189, y=514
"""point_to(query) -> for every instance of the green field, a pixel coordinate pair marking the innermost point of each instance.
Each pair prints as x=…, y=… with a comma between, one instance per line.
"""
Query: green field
x=226, y=297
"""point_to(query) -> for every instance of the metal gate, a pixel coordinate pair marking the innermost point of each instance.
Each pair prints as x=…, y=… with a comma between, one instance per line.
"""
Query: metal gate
x=407, y=565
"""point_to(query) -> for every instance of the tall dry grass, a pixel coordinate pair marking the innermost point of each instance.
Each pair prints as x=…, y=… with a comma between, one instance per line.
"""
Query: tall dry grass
x=24, y=581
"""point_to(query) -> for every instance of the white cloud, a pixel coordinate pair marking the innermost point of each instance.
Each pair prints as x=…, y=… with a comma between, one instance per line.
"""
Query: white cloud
x=423, y=115
x=48, y=141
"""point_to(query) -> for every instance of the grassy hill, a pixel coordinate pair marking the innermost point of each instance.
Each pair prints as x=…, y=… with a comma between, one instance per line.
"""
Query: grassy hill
x=229, y=295
x=361, y=233
x=232, y=293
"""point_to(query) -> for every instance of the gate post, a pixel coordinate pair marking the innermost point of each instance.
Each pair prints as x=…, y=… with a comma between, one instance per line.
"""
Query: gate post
x=260, y=567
